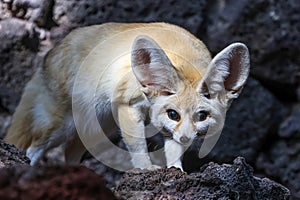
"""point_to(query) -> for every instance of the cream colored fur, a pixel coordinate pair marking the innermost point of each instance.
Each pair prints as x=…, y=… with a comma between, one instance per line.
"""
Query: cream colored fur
x=141, y=70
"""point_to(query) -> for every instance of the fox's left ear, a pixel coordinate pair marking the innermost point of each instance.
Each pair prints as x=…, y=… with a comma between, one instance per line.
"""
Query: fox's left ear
x=152, y=68
x=227, y=72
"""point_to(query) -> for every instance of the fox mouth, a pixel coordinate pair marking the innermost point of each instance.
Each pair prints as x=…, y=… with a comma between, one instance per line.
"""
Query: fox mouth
x=201, y=135
x=167, y=133
x=202, y=132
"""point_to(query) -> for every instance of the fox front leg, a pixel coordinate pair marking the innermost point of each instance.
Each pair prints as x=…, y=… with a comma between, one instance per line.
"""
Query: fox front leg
x=133, y=133
x=173, y=153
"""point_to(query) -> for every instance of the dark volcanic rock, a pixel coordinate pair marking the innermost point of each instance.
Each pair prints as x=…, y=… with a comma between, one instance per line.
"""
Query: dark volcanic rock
x=10, y=155
x=250, y=119
x=291, y=126
x=281, y=159
x=74, y=13
x=25, y=182
x=214, y=181
x=18, y=50
x=110, y=175
x=272, y=32
x=31, y=10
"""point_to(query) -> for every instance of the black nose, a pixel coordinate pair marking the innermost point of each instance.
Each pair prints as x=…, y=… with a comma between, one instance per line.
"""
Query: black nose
x=184, y=139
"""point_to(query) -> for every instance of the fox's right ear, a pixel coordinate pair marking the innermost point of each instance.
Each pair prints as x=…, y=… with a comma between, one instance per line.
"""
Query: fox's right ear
x=227, y=73
x=152, y=68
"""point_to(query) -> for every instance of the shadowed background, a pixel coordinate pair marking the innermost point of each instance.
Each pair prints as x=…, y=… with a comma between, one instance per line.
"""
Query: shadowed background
x=262, y=125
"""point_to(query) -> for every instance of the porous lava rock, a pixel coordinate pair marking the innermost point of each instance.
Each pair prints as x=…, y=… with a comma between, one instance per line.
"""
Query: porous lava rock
x=281, y=159
x=74, y=13
x=18, y=50
x=214, y=181
x=11, y=156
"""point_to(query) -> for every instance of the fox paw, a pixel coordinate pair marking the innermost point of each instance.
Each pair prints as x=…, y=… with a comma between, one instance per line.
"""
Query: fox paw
x=153, y=167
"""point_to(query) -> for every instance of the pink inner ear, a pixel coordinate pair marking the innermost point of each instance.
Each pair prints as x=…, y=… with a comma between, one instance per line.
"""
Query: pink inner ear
x=234, y=73
x=142, y=57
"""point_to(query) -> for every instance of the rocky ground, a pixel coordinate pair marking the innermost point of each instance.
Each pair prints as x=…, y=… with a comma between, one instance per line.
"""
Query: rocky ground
x=213, y=181
x=262, y=125
x=21, y=181
x=18, y=180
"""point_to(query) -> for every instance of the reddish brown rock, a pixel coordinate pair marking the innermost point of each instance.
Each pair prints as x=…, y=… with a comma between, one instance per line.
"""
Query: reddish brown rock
x=25, y=182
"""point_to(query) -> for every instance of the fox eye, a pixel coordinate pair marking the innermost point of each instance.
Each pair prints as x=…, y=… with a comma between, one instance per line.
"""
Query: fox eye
x=173, y=115
x=201, y=116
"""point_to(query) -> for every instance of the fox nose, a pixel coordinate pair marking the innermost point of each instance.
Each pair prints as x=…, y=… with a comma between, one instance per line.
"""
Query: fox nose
x=184, y=139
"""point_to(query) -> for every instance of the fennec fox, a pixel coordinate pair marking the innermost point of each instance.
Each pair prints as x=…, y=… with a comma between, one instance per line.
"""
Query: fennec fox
x=141, y=71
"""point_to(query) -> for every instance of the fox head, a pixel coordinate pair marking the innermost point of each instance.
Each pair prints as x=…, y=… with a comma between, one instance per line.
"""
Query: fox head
x=179, y=109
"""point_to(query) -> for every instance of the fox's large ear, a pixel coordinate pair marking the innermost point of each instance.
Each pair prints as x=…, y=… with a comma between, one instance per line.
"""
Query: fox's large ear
x=152, y=68
x=227, y=72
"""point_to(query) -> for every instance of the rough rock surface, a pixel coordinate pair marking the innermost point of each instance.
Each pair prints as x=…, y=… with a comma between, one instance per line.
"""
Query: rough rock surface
x=69, y=182
x=57, y=182
x=249, y=122
x=73, y=13
x=18, y=50
x=281, y=160
x=110, y=175
x=86, y=12
x=37, y=11
x=271, y=30
x=11, y=156
x=212, y=182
